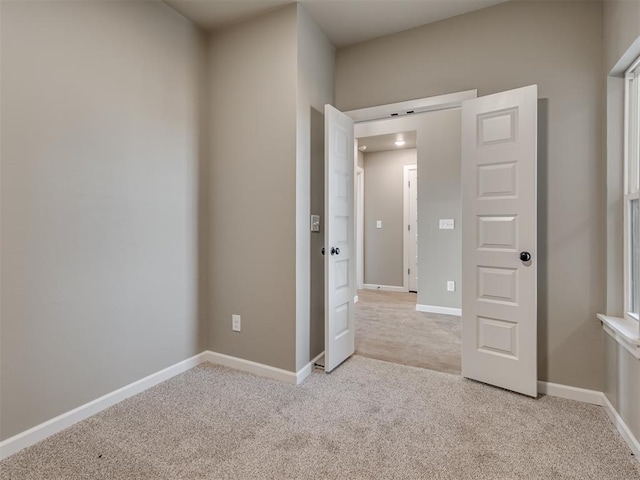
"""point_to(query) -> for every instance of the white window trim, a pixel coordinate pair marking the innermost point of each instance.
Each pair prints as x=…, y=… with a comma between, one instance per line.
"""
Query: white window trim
x=623, y=331
x=626, y=331
x=631, y=190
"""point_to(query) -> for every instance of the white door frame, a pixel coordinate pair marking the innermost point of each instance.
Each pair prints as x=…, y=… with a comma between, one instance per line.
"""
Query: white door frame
x=363, y=118
x=419, y=105
x=359, y=228
x=366, y=126
x=406, y=234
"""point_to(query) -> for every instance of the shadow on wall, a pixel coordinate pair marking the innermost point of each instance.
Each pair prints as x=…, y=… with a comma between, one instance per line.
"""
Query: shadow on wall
x=316, y=330
x=203, y=196
x=543, y=221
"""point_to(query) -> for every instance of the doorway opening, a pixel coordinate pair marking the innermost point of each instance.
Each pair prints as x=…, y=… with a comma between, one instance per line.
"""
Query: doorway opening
x=386, y=162
x=495, y=190
x=396, y=283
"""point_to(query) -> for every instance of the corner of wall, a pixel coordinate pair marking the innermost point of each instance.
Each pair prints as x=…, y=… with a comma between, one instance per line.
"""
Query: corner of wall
x=315, y=68
x=252, y=190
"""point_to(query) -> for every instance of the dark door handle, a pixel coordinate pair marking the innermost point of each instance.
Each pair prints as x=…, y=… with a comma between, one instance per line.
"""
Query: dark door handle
x=335, y=251
x=322, y=250
x=525, y=256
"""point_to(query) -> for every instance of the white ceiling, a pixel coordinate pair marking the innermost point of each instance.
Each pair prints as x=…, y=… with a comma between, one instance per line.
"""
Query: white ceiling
x=383, y=143
x=345, y=22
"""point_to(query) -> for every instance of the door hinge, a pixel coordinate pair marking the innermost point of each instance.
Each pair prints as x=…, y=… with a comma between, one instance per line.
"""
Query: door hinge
x=408, y=271
x=409, y=227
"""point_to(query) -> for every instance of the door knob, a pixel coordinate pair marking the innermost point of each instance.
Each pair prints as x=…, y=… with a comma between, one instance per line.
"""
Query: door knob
x=525, y=256
x=322, y=250
x=335, y=251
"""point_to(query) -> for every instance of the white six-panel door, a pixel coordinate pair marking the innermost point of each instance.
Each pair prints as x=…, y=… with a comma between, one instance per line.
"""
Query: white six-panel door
x=339, y=238
x=499, y=319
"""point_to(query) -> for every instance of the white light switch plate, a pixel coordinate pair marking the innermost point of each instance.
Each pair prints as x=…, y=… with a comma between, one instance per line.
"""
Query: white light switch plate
x=315, y=223
x=447, y=224
x=235, y=323
x=379, y=224
x=451, y=286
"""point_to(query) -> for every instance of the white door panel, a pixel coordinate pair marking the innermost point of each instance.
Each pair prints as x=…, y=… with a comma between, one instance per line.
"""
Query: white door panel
x=499, y=321
x=339, y=238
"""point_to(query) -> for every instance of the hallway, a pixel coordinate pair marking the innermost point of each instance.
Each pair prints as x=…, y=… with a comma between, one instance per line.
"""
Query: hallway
x=389, y=328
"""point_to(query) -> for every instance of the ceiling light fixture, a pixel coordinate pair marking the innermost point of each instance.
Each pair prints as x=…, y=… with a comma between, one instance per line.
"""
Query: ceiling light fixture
x=400, y=143
x=362, y=148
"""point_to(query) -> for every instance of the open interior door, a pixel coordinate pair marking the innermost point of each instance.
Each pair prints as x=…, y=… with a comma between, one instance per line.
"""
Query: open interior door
x=499, y=318
x=339, y=237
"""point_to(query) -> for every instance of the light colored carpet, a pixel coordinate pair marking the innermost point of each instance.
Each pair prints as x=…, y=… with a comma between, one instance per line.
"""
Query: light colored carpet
x=389, y=328
x=366, y=420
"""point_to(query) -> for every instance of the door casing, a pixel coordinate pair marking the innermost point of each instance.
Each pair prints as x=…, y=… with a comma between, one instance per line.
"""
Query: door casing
x=365, y=125
x=409, y=234
x=359, y=227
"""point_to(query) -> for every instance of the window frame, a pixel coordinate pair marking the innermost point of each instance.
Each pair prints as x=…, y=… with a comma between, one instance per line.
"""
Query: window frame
x=631, y=180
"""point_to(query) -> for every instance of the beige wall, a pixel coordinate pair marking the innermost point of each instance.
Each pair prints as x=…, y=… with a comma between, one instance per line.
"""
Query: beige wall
x=622, y=383
x=621, y=31
x=615, y=178
x=439, y=196
x=622, y=46
x=252, y=185
x=316, y=332
x=99, y=156
x=384, y=200
x=557, y=45
x=315, y=57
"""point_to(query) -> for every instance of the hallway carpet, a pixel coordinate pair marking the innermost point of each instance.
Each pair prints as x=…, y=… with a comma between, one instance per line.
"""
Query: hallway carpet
x=389, y=328
x=367, y=420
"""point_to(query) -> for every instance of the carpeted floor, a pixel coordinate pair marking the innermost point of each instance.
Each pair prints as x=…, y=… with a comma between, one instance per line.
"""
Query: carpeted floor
x=389, y=328
x=366, y=420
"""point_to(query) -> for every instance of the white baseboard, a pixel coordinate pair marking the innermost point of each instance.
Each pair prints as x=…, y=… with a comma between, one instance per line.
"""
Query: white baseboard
x=40, y=432
x=255, y=368
x=622, y=427
x=596, y=398
x=50, y=427
x=384, y=288
x=305, y=371
x=440, y=310
x=571, y=393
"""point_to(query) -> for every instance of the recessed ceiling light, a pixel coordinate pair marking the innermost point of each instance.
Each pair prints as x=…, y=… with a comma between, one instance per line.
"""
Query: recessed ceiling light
x=400, y=143
x=362, y=148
